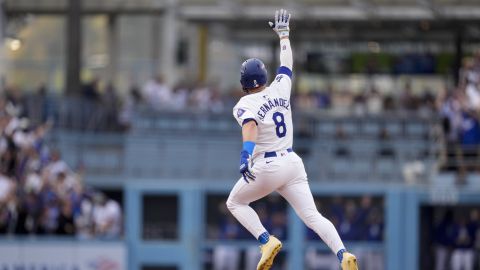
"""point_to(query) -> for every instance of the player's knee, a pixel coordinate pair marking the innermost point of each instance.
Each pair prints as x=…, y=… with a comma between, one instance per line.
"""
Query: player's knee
x=230, y=204
x=311, y=216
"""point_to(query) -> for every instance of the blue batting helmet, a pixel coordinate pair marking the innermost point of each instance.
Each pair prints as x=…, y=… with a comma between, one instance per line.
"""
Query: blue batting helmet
x=253, y=74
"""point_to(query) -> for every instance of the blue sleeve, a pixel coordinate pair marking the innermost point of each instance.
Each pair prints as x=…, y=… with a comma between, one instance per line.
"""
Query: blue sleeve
x=284, y=70
x=248, y=120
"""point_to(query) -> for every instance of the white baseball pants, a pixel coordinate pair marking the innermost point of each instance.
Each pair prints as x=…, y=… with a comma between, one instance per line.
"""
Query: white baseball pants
x=286, y=175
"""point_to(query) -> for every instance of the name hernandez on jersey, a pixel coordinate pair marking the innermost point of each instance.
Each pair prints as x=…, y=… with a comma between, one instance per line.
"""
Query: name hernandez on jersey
x=264, y=101
x=267, y=106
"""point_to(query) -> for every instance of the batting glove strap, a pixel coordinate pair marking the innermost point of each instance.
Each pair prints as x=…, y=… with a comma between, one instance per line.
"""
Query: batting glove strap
x=245, y=167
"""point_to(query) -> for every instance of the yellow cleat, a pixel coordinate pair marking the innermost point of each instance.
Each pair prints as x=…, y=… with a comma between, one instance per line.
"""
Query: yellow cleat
x=349, y=262
x=269, y=251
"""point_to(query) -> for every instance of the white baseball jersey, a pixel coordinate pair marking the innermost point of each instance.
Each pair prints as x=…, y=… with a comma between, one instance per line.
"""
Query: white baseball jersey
x=272, y=112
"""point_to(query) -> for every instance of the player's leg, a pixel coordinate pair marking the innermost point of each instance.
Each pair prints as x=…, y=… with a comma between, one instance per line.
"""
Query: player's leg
x=298, y=194
x=241, y=196
x=238, y=203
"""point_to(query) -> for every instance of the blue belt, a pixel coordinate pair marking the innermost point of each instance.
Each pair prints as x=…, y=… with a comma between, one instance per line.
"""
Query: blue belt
x=274, y=154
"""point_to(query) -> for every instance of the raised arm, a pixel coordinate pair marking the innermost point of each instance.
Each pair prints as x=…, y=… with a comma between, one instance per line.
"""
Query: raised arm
x=281, y=27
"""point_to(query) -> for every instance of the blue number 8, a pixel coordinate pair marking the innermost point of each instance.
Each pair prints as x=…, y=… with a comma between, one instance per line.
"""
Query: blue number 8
x=279, y=121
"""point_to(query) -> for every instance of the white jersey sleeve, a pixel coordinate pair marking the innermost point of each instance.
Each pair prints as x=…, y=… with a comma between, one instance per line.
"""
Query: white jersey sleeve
x=243, y=113
x=283, y=81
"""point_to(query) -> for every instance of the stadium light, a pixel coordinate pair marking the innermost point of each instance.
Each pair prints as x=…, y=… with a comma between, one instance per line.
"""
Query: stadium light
x=14, y=44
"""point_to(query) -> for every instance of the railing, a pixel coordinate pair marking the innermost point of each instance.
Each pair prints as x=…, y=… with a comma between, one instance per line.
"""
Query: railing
x=205, y=146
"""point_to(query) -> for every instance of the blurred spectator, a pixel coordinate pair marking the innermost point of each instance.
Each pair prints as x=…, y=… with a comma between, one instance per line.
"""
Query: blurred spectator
x=305, y=102
x=227, y=257
x=66, y=224
x=359, y=105
x=341, y=150
x=50, y=213
x=475, y=229
x=55, y=166
x=36, y=106
x=90, y=105
x=375, y=226
x=14, y=97
x=385, y=147
x=427, y=101
x=200, y=97
x=373, y=259
x=374, y=102
x=107, y=217
x=463, y=243
x=342, y=101
x=470, y=80
x=337, y=210
x=279, y=225
x=451, y=115
x=84, y=218
x=157, y=94
x=303, y=135
x=90, y=90
x=348, y=228
x=111, y=105
x=130, y=103
x=216, y=102
x=389, y=104
x=408, y=101
x=469, y=141
x=462, y=133
x=324, y=98
x=443, y=240
x=39, y=193
x=180, y=98
x=6, y=188
x=315, y=260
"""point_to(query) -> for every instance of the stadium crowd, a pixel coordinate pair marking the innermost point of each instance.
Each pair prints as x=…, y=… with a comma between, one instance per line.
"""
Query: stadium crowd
x=39, y=193
x=99, y=108
x=460, y=112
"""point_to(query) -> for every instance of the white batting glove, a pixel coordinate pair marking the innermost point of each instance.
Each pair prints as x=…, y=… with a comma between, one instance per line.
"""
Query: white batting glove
x=281, y=23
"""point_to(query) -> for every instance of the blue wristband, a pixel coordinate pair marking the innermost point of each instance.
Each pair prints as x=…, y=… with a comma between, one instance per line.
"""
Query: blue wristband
x=248, y=146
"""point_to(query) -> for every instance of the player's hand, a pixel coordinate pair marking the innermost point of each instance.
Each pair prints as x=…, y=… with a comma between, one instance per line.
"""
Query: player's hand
x=245, y=168
x=281, y=23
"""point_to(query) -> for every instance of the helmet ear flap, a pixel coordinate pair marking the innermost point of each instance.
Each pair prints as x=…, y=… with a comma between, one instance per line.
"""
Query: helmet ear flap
x=245, y=90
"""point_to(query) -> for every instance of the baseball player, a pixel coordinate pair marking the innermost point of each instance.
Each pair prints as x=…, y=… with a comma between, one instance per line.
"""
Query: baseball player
x=267, y=161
